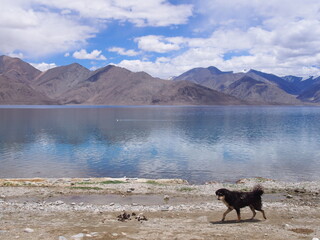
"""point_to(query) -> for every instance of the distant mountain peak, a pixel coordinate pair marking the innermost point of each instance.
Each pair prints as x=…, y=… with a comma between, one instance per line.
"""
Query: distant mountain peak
x=215, y=70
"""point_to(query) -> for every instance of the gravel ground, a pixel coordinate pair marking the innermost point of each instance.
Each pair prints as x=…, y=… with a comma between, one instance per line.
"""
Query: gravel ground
x=93, y=208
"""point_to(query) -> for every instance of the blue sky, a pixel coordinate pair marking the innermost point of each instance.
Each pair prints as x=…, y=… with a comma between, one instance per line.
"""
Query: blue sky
x=165, y=37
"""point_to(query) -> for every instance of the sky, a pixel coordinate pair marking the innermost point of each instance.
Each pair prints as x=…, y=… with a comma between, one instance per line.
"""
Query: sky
x=165, y=37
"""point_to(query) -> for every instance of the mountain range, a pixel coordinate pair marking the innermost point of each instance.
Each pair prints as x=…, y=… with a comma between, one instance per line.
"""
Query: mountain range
x=21, y=83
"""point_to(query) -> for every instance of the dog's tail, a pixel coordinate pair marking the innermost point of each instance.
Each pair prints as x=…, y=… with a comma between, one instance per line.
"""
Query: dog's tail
x=258, y=190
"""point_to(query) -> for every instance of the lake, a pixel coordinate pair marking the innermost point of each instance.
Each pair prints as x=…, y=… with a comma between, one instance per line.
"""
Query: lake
x=198, y=144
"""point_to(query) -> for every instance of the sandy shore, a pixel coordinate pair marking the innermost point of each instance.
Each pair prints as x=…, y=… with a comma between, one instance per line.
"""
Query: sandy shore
x=88, y=208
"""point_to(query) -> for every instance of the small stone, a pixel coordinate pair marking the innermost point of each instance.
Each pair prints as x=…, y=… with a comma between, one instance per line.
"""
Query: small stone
x=28, y=230
x=62, y=238
x=111, y=204
x=59, y=202
x=79, y=236
x=165, y=208
x=286, y=226
x=115, y=234
x=166, y=198
x=289, y=196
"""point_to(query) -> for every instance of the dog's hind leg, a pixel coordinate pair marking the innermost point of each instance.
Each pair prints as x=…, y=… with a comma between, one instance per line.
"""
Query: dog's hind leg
x=225, y=213
x=253, y=211
x=238, y=214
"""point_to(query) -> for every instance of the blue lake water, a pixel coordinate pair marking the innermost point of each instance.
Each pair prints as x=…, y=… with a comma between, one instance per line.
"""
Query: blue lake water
x=198, y=144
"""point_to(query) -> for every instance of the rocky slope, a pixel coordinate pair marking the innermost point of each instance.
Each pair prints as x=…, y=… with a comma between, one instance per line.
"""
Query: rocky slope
x=118, y=86
x=255, y=86
x=15, y=92
x=57, y=81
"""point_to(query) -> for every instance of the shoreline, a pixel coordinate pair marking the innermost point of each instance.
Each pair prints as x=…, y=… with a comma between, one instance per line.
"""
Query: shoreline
x=87, y=208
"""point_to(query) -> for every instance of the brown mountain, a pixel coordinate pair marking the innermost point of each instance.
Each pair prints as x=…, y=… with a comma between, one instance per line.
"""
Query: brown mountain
x=312, y=93
x=260, y=92
x=210, y=77
x=14, y=92
x=57, y=81
x=15, y=68
x=253, y=86
x=113, y=85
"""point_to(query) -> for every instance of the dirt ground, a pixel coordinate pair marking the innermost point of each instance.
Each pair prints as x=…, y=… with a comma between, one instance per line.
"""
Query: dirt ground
x=63, y=209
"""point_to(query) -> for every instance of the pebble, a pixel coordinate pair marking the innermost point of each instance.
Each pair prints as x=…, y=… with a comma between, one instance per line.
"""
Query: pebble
x=59, y=202
x=78, y=236
x=28, y=230
x=289, y=196
x=62, y=238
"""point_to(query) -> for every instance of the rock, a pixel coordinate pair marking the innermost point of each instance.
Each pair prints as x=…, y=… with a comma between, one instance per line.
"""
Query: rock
x=79, y=236
x=286, y=226
x=111, y=204
x=28, y=230
x=289, y=196
x=166, y=198
x=62, y=238
x=59, y=202
x=141, y=217
x=164, y=208
x=123, y=217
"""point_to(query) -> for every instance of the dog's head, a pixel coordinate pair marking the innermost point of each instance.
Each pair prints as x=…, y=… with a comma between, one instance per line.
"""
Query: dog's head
x=222, y=193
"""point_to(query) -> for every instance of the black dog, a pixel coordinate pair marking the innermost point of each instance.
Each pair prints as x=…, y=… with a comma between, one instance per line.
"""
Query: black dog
x=236, y=200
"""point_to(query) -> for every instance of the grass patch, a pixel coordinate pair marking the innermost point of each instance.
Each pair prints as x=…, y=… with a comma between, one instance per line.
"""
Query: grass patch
x=87, y=188
x=152, y=182
x=186, y=189
x=9, y=184
x=112, y=182
x=85, y=183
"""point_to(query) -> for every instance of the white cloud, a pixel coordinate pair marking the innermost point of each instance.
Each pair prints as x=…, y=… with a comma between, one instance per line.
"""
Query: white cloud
x=66, y=54
x=122, y=51
x=159, y=44
x=44, y=66
x=139, y=12
x=281, y=37
x=39, y=32
x=40, y=28
x=94, y=55
x=16, y=55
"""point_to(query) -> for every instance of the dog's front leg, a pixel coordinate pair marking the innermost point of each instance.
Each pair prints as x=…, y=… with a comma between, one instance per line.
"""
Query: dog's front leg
x=238, y=213
x=225, y=213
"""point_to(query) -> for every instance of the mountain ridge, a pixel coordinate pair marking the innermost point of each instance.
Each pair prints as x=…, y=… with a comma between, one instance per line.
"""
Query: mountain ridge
x=113, y=85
